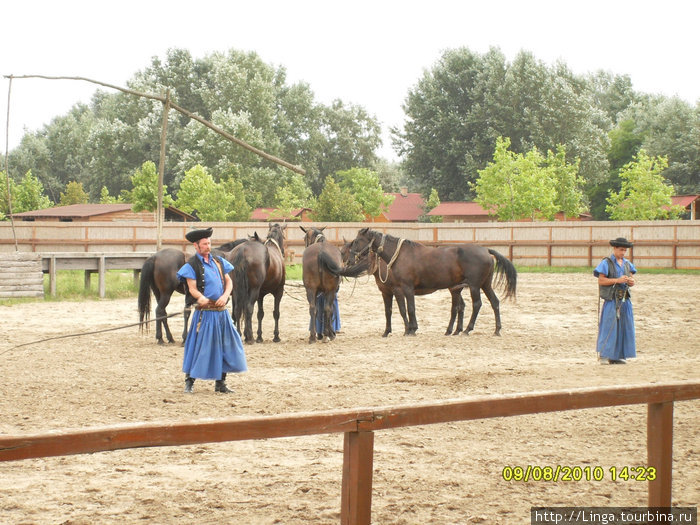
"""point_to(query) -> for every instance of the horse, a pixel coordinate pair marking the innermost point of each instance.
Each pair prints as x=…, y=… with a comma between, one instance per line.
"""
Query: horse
x=417, y=267
x=258, y=270
x=317, y=281
x=159, y=274
x=351, y=257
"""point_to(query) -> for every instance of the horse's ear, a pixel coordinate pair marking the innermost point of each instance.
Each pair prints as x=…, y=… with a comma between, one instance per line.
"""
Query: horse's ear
x=284, y=226
x=321, y=229
x=345, y=240
x=363, y=231
x=303, y=229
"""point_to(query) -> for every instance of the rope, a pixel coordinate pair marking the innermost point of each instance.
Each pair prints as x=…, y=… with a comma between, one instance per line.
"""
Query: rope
x=91, y=333
x=390, y=264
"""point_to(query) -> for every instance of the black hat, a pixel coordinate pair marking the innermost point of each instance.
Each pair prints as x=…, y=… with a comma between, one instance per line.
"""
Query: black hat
x=621, y=242
x=198, y=235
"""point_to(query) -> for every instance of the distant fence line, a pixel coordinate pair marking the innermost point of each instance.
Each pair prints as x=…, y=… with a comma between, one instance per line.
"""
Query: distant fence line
x=657, y=244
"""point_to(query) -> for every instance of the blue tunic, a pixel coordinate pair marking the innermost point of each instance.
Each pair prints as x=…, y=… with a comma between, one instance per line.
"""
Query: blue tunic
x=213, y=346
x=616, y=337
x=335, y=314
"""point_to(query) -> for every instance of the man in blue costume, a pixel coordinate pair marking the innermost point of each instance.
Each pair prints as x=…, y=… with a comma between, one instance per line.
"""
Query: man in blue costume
x=616, y=338
x=335, y=314
x=213, y=346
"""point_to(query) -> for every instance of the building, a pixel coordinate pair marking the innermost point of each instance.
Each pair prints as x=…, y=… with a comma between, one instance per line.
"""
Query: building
x=101, y=212
x=406, y=207
x=473, y=212
x=690, y=203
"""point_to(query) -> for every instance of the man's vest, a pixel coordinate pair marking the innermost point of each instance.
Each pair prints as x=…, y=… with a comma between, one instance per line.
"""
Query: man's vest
x=198, y=267
x=608, y=293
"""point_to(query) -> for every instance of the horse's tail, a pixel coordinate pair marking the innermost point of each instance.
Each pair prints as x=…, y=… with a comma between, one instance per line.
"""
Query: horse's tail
x=505, y=272
x=240, y=279
x=144, y=301
x=326, y=262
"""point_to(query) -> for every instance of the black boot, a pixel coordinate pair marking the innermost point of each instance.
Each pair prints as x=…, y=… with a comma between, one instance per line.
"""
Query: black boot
x=189, y=383
x=220, y=386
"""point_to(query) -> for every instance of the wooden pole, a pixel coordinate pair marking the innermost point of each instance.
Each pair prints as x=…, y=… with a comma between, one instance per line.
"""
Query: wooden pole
x=660, y=452
x=161, y=170
x=356, y=496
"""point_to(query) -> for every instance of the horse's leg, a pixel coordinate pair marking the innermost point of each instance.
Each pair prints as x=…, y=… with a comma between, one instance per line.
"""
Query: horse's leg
x=249, y=307
x=261, y=314
x=186, y=314
x=311, y=298
x=388, y=297
x=495, y=304
x=460, y=314
x=163, y=302
x=276, y=315
x=476, y=306
x=454, y=310
x=328, y=330
x=411, y=307
x=401, y=303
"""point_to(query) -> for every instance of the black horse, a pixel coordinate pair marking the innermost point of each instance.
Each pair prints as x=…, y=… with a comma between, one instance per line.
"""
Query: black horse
x=352, y=256
x=417, y=267
x=318, y=281
x=258, y=270
x=159, y=274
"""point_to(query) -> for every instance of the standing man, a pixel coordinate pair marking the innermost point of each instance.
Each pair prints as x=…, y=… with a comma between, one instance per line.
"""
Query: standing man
x=213, y=347
x=616, y=337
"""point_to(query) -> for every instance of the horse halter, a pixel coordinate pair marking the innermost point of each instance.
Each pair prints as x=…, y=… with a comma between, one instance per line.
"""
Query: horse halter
x=357, y=254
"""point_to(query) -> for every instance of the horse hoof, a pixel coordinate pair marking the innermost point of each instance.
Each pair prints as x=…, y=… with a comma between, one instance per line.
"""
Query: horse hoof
x=276, y=339
x=259, y=340
x=312, y=340
x=160, y=341
x=386, y=334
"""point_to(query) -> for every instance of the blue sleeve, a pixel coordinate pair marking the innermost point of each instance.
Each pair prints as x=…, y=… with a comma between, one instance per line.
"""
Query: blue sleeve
x=186, y=272
x=602, y=268
x=227, y=265
x=632, y=268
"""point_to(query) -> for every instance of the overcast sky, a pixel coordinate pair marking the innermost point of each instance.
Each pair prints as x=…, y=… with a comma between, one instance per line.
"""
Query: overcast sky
x=368, y=53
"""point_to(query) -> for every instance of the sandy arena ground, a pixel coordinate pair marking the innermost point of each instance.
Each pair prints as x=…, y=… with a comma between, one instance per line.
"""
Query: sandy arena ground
x=450, y=473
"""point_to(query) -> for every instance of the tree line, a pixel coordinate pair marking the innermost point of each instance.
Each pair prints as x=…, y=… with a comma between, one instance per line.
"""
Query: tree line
x=472, y=121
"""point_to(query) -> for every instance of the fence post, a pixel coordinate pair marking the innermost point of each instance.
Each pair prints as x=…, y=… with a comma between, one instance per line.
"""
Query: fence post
x=101, y=281
x=660, y=452
x=356, y=497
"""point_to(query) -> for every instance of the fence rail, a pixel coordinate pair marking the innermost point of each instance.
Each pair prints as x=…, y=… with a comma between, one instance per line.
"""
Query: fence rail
x=660, y=244
x=358, y=426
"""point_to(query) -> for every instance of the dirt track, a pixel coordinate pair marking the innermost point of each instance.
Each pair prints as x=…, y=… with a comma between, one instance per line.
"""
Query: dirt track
x=447, y=473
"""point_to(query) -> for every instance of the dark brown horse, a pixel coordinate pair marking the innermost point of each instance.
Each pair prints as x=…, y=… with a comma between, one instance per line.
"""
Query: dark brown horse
x=317, y=280
x=159, y=274
x=415, y=267
x=351, y=256
x=258, y=270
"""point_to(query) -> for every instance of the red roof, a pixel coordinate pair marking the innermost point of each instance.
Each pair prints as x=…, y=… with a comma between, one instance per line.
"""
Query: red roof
x=76, y=210
x=407, y=207
x=684, y=200
x=458, y=208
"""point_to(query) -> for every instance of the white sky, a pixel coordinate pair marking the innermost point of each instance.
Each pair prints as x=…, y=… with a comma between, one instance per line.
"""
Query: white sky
x=365, y=52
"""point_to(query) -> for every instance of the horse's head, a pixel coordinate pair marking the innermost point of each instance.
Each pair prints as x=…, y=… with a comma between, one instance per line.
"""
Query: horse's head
x=313, y=235
x=254, y=237
x=275, y=232
x=358, y=249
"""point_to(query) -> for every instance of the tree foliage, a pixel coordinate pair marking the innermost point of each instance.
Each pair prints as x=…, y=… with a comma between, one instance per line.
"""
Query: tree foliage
x=75, y=194
x=431, y=203
x=363, y=184
x=144, y=195
x=209, y=200
x=645, y=194
x=336, y=204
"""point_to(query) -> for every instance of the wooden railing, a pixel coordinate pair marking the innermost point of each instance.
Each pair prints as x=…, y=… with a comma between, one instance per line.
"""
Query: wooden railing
x=359, y=425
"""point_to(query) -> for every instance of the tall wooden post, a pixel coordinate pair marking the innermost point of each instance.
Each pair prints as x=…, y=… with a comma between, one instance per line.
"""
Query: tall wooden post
x=358, y=460
x=660, y=452
x=161, y=170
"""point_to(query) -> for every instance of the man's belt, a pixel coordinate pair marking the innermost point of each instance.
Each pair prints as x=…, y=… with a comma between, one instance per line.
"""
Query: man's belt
x=210, y=308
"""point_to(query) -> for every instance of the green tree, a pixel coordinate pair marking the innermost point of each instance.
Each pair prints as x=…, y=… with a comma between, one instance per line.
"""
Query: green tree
x=74, y=194
x=337, y=205
x=645, y=194
x=144, y=195
x=106, y=198
x=364, y=185
x=515, y=186
x=432, y=202
x=295, y=194
x=212, y=201
x=30, y=195
x=567, y=182
x=462, y=105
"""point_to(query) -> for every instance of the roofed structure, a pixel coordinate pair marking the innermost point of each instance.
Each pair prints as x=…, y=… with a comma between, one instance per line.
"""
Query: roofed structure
x=101, y=212
x=273, y=214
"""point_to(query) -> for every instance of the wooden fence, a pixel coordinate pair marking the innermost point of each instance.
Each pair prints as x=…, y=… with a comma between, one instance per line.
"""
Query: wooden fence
x=657, y=244
x=358, y=425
